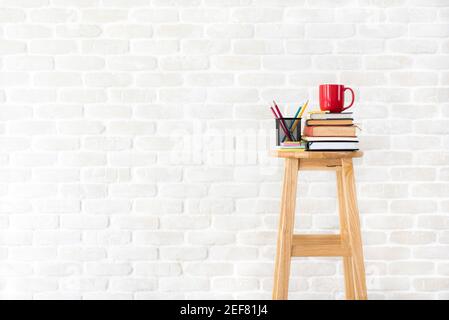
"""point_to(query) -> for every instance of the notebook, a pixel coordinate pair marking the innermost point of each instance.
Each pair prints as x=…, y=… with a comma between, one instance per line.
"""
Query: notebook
x=324, y=116
x=332, y=146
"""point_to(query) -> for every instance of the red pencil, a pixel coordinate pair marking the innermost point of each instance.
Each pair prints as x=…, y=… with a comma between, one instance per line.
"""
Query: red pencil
x=281, y=123
x=282, y=120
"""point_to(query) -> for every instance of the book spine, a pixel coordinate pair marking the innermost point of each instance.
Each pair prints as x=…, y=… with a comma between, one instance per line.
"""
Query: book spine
x=323, y=131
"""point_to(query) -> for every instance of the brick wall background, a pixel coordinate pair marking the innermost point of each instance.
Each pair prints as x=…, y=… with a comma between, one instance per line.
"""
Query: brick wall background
x=133, y=144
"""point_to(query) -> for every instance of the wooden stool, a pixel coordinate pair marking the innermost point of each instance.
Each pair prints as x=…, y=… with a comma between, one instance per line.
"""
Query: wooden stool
x=347, y=244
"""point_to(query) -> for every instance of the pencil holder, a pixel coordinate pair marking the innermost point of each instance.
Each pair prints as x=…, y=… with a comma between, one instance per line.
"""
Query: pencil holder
x=290, y=125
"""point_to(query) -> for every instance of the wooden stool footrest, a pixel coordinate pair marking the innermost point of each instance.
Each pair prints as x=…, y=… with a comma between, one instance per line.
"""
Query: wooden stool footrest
x=319, y=246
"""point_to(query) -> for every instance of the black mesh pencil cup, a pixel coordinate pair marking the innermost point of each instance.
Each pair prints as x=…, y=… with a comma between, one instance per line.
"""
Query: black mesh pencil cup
x=292, y=126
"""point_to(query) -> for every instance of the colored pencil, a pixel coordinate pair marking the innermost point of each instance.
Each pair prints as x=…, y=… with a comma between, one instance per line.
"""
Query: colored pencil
x=282, y=120
x=304, y=109
x=281, y=124
x=294, y=124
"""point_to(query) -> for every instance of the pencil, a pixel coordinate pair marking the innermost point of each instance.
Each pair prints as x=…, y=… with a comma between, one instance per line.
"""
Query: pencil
x=304, y=109
x=281, y=124
x=295, y=124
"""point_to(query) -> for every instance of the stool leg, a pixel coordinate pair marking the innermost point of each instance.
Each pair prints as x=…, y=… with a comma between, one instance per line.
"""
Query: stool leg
x=347, y=261
x=355, y=237
x=285, y=232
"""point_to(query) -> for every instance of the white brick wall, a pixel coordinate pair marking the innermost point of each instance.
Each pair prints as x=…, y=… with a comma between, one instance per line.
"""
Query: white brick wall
x=96, y=94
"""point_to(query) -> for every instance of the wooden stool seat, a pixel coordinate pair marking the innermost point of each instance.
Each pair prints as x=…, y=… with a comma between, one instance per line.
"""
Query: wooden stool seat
x=347, y=244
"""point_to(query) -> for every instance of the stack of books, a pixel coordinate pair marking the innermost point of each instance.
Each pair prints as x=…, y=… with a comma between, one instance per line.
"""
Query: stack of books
x=330, y=132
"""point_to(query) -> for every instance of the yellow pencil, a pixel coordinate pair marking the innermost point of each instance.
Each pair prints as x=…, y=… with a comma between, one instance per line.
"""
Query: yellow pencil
x=303, y=109
x=295, y=124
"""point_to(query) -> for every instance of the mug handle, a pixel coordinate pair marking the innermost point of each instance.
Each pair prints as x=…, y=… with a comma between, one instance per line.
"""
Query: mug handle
x=353, y=98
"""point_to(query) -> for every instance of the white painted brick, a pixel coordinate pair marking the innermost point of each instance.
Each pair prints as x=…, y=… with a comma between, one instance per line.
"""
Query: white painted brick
x=257, y=47
x=158, y=80
x=53, y=15
x=158, y=238
x=55, y=269
x=133, y=284
x=431, y=252
x=336, y=62
x=55, y=143
x=182, y=190
x=236, y=63
x=83, y=190
x=233, y=285
x=128, y=31
x=82, y=95
x=105, y=46
x=15, y=269
x=82, y=159
x=107, y=296
x=12, y=47
x=35, y=190
x=309, y=46
x=53, y=47
x=201, y=47
x=159, y=15
x=32, y=253
x=430, y=284
x=131, y=127
x=105, y=175
x=286, y=63
x=184, y=63
x=132, y=190
x=135, y=222
x=107, y=143
x=183, y=253
x=103, y=15
x=160, y=46
x=33, y=284
x=129, y=63
x=34, y=221
x=210, y=206
x=12, y=15
x=57, y=206
x=106, y=206
x=178, y=31
x=256, y=15
x=132, y=95
x=128, y=253
x=183, y=284
x=180, y=222
x=79, y=62
x=106, y=237
x=412, y=238
x=27, y=31
x=411, y=268
x=84, y=221
x=16, y=238
x=210, y=238
x=50, y=237
x=332, y=31
x=230, y=31
x=413, y=206
x=158, y=206
x=32, y=95
x=386, y=253
x=108, y=269
x=158, y=269
x=74, y=30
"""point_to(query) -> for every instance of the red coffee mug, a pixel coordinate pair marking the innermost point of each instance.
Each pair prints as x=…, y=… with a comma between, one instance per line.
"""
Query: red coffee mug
x=332, y=97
